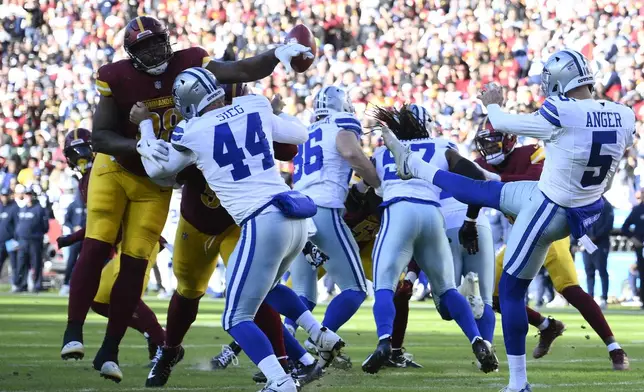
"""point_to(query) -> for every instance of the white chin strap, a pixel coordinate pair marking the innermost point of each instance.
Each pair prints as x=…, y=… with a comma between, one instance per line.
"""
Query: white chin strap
x=495, y=159
x=158, y=70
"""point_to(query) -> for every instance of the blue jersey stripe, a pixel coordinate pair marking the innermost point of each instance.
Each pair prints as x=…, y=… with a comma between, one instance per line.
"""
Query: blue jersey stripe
x=574, y=58
x=552, y=120
x=552, y=108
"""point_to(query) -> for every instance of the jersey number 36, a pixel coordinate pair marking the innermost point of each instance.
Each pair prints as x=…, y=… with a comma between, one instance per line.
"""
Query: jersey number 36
x=310, y=156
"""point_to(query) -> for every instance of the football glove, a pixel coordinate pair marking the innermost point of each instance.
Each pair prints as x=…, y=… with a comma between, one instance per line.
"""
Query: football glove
x=286, y=52
x=153, y=149
x=469, y=237
x=314, y=255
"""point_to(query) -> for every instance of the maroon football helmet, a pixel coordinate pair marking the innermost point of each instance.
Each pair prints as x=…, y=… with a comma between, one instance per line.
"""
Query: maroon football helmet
x=78, y=149
x=147, y=42
x=494, y=146
x=234, y=90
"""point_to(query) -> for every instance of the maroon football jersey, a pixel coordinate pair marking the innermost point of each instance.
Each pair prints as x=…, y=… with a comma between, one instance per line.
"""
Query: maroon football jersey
x=127, y=86
x=200, y=206
x=523, y=164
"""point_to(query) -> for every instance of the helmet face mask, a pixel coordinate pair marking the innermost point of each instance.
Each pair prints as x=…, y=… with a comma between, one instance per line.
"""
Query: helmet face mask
x=493, y=146
x=147, y=43
x=78, y=150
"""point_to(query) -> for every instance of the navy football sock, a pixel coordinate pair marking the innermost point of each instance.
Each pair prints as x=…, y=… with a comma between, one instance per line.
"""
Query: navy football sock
x=305, y=301
x=384, y=312
x=487, y=323
x=342, y=308
x=286, y=302
x=252, y=340
x=469, y=191
x=515, y=323
x=459, y=309
x=294, y=349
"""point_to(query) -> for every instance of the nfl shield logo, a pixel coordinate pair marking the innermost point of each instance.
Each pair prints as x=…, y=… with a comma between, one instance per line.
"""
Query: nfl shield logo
x=157, y=84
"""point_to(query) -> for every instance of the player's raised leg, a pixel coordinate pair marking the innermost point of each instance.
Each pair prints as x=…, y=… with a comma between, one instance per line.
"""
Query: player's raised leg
x=105, y=209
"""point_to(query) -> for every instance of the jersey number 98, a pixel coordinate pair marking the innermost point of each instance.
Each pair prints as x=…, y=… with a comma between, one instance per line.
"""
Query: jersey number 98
x=226, y=152
x=310, y=156
x=163, y=125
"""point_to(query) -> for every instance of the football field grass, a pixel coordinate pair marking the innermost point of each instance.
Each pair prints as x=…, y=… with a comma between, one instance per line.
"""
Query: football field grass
x=31, y=328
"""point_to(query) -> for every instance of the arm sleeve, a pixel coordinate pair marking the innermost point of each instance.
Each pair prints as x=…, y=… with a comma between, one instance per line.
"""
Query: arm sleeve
x=77, y=236
x=288, y=132
x=531, y=125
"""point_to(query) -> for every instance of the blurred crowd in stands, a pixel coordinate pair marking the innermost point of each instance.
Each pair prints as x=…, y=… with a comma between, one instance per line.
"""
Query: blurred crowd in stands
x=384, y=52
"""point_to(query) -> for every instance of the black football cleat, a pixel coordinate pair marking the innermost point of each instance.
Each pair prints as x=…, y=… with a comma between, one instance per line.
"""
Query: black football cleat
x=400, y=359
x=260, y=378
x=485, y=355
x=160, y=373
x=375, y=361
x=307, y=374
x=225, y=357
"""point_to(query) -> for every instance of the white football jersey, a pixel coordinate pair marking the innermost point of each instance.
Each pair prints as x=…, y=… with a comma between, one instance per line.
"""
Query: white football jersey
x=584, y=149
x=320, y=172
x=233, y=147
x=393, y=188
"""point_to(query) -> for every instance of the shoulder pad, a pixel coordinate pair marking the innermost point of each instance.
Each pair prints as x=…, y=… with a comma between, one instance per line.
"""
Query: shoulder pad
x=255, y=102
x=201, y=55
x=347, y=121
x=103, y=78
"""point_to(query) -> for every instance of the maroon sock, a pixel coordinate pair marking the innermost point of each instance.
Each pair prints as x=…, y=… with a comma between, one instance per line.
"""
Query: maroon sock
x=100, y=308
x=182, y=312
x=144, y=320
x=86, y=277
x=401, y=302
x=270, y=322
x=589, y=309
x=534, y=318
x=125, y=295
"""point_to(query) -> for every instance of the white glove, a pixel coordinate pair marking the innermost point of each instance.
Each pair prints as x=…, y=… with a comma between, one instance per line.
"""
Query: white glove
x=286, y=52
x=488, y=174
x=153, y=149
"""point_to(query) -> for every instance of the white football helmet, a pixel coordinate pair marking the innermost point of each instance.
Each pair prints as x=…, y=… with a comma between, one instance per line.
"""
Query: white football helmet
x=564, y=71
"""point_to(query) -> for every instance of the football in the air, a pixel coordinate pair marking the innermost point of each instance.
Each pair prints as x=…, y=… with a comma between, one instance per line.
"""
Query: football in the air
x=302, y=35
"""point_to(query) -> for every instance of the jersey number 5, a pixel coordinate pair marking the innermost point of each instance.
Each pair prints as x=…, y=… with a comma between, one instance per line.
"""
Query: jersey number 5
x=310, y=157
x=597, y=160
x=226, y=152
x=388, y=159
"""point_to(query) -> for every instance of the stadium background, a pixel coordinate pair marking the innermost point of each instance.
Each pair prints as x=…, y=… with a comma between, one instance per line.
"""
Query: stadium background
x=437, y=53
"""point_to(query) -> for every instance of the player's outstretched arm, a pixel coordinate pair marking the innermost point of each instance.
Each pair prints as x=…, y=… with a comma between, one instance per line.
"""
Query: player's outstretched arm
x=176, y=159
x=104, y=139
x=350, y=149
x=289, y=132
x=531, y=125
x=257, y=67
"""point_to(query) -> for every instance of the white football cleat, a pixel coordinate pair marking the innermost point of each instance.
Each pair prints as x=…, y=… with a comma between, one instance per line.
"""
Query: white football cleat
x=471, y=291
x=310, y=347
x=329, y=345
x=284, y=384
x=399, y=151
x=526, y=388
x=73, y=350
x=111, y=371
x=64, y=291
